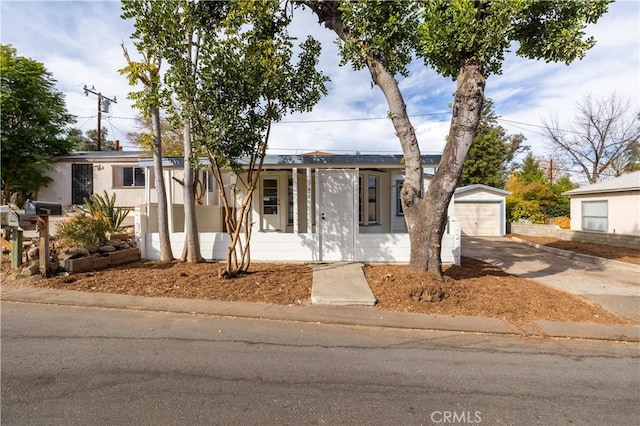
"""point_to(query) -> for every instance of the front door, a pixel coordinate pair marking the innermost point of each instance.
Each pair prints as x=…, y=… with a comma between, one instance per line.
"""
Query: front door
x=337, y=222
x=270, y=204
x=81, y=182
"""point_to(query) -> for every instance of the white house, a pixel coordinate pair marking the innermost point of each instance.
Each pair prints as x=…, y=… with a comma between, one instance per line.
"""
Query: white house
x=481, y=210
x=612, y=206
x=80, y=174
x=305, y=208
x=317, y=207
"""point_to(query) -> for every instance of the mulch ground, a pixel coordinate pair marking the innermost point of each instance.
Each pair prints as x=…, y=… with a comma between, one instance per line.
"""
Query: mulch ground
x=474, y=288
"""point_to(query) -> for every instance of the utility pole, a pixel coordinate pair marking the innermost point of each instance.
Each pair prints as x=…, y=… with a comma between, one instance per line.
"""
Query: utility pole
x=551, y=170
x=103, y=105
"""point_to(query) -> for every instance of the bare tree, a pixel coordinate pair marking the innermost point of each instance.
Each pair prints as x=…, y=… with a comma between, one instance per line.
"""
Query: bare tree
x=603, y=131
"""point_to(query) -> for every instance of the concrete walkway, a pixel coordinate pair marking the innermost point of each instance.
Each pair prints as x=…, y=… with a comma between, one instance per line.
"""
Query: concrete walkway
x=341, y=284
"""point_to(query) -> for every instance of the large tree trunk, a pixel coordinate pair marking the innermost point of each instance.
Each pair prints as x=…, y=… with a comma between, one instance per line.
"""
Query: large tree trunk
x=166, y=253
x=425, y=214
x=191, y=252
x=467, y=109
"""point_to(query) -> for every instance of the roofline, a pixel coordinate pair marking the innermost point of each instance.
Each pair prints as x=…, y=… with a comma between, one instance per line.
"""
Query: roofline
x=315, y=161
x=579, y=191
x=463, y=189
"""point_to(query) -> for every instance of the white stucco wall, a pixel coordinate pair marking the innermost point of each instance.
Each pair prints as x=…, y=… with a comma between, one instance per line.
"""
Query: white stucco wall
x=60, y=189
x=623, y=211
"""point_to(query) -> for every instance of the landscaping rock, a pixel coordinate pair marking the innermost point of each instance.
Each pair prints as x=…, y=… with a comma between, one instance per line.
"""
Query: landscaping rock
x=32, y=269
x=73, y=253
x=92, y=248
x=109, y=248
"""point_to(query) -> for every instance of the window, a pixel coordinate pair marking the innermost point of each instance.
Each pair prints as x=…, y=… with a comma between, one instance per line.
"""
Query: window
x=595, y=216
x=130, y=177
x=370, y=193
x=270, y=196
x=399, y=183
x=373, y=199
x=290, y=201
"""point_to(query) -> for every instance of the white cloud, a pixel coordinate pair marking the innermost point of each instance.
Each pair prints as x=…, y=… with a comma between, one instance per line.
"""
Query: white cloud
x=79, y=42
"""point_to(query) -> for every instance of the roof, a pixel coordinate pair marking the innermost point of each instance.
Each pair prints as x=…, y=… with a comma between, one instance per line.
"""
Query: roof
x=103, y=155
x=626, y=182
x=331, y=160
x=488, y=188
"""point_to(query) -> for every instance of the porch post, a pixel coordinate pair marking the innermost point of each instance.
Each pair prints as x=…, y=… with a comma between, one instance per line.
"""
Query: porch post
x=294, y=178
x=168, y=183
x=309, y=204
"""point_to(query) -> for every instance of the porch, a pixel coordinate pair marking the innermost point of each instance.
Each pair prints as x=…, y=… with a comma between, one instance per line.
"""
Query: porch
x=338, y=210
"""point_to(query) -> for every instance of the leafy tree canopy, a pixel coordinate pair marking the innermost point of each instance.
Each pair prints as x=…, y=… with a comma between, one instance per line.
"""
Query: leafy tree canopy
x=34, y=123
x=442, y=32
x=492, y=152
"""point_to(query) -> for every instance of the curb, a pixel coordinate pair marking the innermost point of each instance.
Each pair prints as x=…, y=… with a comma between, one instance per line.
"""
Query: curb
x=578, y=256
x=319, y=314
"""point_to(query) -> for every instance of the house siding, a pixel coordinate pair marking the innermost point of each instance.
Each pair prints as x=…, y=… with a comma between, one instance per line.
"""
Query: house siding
x=623, y=211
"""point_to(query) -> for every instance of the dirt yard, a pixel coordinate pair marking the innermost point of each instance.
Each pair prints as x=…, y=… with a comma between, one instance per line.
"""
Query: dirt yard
x=473, y=288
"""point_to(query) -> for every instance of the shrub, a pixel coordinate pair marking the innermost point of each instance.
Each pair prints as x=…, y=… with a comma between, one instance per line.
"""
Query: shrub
x=82, y=230
x=104, y=206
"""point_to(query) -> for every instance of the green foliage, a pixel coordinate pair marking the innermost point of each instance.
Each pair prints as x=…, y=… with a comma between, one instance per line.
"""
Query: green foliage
x=533, y=199
x=445, y=33
x=89, y=141
x=82, y=230
x=34, y=120
x=631, y=157
x=171, y=137
x=103, y=206
x=492, y=151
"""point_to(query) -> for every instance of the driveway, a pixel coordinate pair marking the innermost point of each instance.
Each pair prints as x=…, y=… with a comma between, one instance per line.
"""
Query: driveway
x=615, y=288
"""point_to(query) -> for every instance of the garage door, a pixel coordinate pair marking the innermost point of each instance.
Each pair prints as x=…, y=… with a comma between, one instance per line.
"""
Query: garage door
x=478, y=219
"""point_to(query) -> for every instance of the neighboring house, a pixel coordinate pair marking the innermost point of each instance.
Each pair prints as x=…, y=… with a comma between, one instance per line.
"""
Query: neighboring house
x=481, y=210
x=80, y=174
x=306, y=208
x=612, y=206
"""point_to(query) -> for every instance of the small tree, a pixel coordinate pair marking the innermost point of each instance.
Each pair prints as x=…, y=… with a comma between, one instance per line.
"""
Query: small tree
x=603, y=132
x=148, y=101
x=533, y=198
x=252, y=81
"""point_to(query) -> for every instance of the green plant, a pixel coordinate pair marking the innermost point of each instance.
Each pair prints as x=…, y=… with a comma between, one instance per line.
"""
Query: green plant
x=104, y=206
x=82, y=230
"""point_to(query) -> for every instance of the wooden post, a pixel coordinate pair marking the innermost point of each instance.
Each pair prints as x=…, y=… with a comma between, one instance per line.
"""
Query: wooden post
x=44, y=246
x=16, y=248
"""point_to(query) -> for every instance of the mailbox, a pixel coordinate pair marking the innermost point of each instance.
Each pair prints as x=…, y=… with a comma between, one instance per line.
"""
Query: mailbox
x=27, y=219
x=19, y=220
x=43, y=208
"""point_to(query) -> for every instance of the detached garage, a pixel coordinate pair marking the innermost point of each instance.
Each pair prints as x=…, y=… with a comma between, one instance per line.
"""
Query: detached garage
x=481, y=210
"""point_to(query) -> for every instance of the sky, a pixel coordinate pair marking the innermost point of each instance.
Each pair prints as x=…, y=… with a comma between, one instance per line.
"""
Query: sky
x=79, y=42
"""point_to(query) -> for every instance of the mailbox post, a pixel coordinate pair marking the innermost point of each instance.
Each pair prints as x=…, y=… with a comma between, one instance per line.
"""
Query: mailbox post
x=43, y=210
x=16, y=248
x=34, y=213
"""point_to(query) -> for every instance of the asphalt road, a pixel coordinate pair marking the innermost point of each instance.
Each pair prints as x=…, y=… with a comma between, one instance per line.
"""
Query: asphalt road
x=85, y=366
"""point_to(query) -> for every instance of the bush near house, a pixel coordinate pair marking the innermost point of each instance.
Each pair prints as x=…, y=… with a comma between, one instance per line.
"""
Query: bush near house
x=81, y=231
x=98, y=217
